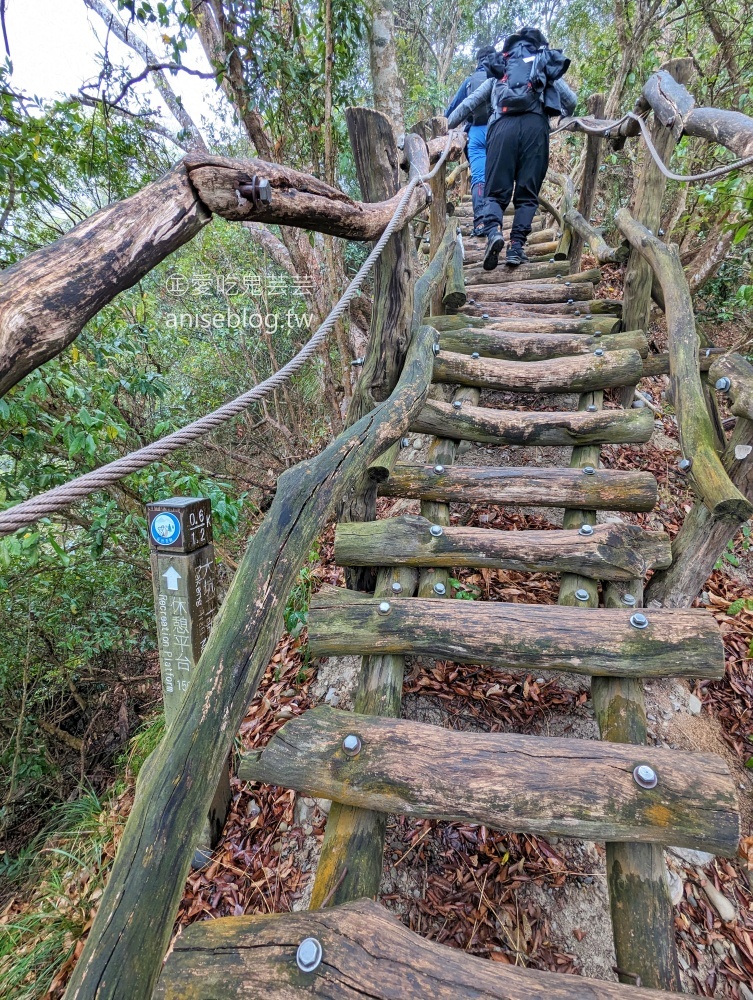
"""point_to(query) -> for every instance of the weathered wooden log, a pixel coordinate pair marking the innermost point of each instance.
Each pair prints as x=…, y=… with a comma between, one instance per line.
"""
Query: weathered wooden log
x=368, y=955
x=566, y=203
x=601, y=250
x=703, y=538
x=375, y=155
x=132, y=929
x=666, y=97
x=592, y=274
x=541, y=251
x=576, y=373
x=534, y=427
x=739, y=374
x=376, y=159
x=658, y=364
x=650, y=187
x=707, y=475
x=542, y=236
x=596, y=307
x=502, y=275
x=612, y=552
x=552, y=786
x=436, y=146
x=454, y=291
x=438, y=220
x=48, y=297
x=592, y=161
x=604, y=490
x=675, y=643
x=531, y=292
x=442, y=451
x=350, y=863
x=298, y=199
x=512, y=346
x=640, y=904
x=595, y=325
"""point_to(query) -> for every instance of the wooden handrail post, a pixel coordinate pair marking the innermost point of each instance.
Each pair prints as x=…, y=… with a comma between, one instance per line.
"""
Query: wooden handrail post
x=594, y=147
x=437, y=216
x=646, y=207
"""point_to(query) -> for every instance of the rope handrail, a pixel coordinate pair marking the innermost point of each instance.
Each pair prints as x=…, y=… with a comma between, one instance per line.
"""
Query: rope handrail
x=59, y=497
x=605, y=130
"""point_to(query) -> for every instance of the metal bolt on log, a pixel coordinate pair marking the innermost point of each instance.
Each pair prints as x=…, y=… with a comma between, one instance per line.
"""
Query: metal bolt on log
x=645, y=776
x=309, y=955
x=352, y=745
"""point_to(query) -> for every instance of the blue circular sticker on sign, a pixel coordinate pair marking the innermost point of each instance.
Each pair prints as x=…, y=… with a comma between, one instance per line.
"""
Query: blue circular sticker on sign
x=165, y=528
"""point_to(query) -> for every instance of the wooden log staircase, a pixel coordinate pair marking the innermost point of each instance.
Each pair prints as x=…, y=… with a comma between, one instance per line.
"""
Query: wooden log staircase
x=370, y=762
x=524, y=359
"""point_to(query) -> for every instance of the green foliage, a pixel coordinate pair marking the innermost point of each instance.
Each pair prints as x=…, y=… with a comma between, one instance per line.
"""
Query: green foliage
x=297, y=607
x=464, y=591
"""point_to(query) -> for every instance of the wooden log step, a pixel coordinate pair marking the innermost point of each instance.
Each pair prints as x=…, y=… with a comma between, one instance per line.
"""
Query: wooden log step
x=602, y=641
x=577, y=373
x=529, y=309
x=367, y=955
x=511, y=346
x=526, y=272
x=539, y=272
x=605, y=489
x=534, y=427
x=594, y=325
x=525, y=291
x=611, y=552
x=547, y=786
x=538, y=253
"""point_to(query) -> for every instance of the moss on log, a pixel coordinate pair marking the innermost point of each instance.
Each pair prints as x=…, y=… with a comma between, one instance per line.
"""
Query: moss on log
x=707, y=475
x=612, y=552
x=552, y=786
x=578, y=373
x=368, y=955
x=676, y=643
x=539, y=427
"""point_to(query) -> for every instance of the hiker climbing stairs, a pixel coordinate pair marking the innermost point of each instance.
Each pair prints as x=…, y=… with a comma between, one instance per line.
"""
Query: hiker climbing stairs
x=370, y=762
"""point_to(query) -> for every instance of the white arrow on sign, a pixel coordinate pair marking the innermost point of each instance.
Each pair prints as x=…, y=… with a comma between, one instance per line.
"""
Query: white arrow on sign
x=172, y=576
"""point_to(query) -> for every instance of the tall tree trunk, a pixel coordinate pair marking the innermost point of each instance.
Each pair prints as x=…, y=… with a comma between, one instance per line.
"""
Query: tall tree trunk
x=383, y=56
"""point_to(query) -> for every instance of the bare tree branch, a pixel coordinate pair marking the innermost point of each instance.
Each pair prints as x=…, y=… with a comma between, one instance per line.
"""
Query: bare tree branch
x=159, y=79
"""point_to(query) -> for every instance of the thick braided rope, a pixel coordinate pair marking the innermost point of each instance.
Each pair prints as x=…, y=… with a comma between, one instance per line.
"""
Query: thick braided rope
x=62, y=496
x=604, y=131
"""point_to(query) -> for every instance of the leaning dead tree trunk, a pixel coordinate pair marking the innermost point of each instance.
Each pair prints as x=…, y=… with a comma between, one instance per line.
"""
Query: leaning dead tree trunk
x=132, y=929
x=46, y=299
x=702, y=538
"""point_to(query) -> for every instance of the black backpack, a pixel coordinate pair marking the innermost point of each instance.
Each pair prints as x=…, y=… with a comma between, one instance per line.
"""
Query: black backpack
x=482, y=113
x=519, y=89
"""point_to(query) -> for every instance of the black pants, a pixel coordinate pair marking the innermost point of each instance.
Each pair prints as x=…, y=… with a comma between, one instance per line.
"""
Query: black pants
x=517, y=157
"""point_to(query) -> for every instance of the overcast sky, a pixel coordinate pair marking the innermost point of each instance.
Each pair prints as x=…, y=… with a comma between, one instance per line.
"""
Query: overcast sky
x=53, y=46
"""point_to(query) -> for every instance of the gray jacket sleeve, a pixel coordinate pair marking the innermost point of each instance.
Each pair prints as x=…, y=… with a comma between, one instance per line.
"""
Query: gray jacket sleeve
x=469, y=105
x=568, y=97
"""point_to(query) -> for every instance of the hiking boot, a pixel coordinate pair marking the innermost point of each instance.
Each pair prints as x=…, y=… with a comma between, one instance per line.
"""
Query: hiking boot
x=494, y=246
x=478, y=231
x=515, y=255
